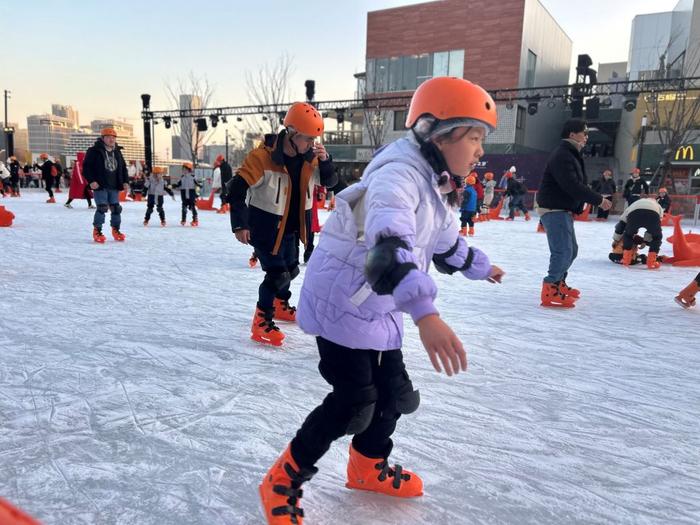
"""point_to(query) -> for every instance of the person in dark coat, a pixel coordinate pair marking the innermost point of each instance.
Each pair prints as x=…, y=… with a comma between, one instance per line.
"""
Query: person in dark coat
x=635, y=188
x=564, y=192
x=664, y=200
x=105, y=170
x=516, y=191
x=606, y=187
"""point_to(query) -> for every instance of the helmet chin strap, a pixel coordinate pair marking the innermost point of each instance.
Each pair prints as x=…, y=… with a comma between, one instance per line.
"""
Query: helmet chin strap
x=447, y=180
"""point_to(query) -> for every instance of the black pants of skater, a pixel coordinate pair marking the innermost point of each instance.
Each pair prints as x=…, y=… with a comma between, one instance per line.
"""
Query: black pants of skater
x=188, y=203
x=49, y=189
x=280, y=270
x=156, y=201
x=650, y=221
x=603, y=214
x=353, y=374
x=467, y=217
x=516, y=203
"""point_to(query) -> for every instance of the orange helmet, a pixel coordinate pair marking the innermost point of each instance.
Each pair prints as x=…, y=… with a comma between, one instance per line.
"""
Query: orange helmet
x=157, y=170
x=304, y=118
x=471, y=180
x=187, y=165
x=488, y=175
x=44, y=156
x=663, y=190
x=108, y=132
x=635, y=171
x=447, y=98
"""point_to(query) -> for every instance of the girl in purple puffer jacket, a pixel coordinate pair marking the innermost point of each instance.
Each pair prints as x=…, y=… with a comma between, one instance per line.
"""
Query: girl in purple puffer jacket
x=369, y=268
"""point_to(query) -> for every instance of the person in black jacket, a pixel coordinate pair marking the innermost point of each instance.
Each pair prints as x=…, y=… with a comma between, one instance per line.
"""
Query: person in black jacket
x=635, y=187
x=104, y=169
x=271, y=198
x=606, y=187
x=47, y=175
x=516, y=191
x=664, y=200
x=59, y=174
x=14, y=176
x=564, y=192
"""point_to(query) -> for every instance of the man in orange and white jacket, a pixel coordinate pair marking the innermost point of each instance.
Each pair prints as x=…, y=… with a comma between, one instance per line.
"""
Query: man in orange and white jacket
x=271, y=198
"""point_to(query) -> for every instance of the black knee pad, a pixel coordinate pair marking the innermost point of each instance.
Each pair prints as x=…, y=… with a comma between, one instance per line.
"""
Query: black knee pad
x=277, y=280
x=116, y=208
x=102, y=208
x=360, y=403
x=400, y=397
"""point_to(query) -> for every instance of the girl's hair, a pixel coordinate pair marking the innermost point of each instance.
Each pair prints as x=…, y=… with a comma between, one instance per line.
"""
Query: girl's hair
x=449, y=138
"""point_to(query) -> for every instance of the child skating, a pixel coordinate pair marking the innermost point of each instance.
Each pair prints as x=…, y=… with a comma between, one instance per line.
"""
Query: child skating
x=188, y=193
x=468, y=208
x=368, y=268
x=155, y=186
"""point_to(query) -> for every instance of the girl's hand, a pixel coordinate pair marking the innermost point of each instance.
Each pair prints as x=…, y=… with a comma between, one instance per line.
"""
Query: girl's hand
x=442, y=345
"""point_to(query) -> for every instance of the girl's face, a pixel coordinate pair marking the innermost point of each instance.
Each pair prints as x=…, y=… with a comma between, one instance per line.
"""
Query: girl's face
x=462, y=149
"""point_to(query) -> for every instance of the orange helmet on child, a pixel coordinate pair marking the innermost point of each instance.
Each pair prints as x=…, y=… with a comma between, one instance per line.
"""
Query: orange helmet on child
x=452, y=99
x=303, y=118
x=187, y=165
x=44, y=156
x=663, y=190
x=471, y=180
x=488, y=175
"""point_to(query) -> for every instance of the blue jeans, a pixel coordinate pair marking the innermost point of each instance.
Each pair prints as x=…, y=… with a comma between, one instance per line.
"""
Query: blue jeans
x=563, y=249
x=107, y=200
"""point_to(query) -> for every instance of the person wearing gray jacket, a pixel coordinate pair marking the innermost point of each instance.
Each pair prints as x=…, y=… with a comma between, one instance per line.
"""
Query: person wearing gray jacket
x=188, y=193
x=155, y=187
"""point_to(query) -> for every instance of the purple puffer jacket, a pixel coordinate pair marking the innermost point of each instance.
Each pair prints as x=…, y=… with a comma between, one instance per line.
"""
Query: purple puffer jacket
x=397, y=196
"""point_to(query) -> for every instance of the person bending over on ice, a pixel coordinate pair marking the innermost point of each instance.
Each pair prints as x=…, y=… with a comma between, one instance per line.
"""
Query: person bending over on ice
x=369, y=267
x=188, y=193
x=643, y=213
x=637, y=258
x=105, y=170
x=278, y=179
x=155, y=187
x=686, y=297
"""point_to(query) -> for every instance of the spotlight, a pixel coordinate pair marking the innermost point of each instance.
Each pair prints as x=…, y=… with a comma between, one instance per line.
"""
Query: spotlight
x=310, y=86
x=324, y=114
x=239, y=119
x=264, y=117
x=146, y=100
x=340, y=116
x=167, y=121
x=201, y=124
x=223, y=119
x=532, y=108
x=214, y=120
x=630, y=104
x=175, y=121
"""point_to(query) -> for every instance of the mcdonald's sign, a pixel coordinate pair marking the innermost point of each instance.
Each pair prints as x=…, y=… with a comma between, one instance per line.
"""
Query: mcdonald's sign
x=685, y=153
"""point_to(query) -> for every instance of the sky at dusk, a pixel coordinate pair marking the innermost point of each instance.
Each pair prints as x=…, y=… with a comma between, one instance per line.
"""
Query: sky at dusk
x=99, y=59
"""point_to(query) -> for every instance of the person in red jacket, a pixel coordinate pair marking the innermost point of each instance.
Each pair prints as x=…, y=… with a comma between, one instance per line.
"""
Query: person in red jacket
x=479, y=187
x=79, y=188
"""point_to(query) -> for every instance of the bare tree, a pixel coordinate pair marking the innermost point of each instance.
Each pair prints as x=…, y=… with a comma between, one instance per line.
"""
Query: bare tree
x=674, y=115
x=376, y=118
x=191, y=94
x=269, y=86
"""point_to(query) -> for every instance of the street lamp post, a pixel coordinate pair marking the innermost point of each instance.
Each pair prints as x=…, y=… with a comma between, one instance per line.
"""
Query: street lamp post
x=9, y=130
x=227, y=145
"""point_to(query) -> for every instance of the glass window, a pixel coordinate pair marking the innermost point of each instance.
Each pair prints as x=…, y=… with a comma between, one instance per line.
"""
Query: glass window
x=410, y=72
x=531, y=69
x=395, y=73
x=400, y=120
x=456, y=65
x=369, y=72
x=381, y=75
x=440, y=63
x=425, y=68
x=520, y=118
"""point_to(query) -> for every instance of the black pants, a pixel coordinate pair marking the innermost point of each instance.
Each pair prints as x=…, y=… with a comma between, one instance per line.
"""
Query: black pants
x=650, y=221
x=157, y=201
x=353, y=374
x=467, y=217
x=516, y=202
x=49, y=184
x=603, y=214
x=280, y=270
x=188, y=202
